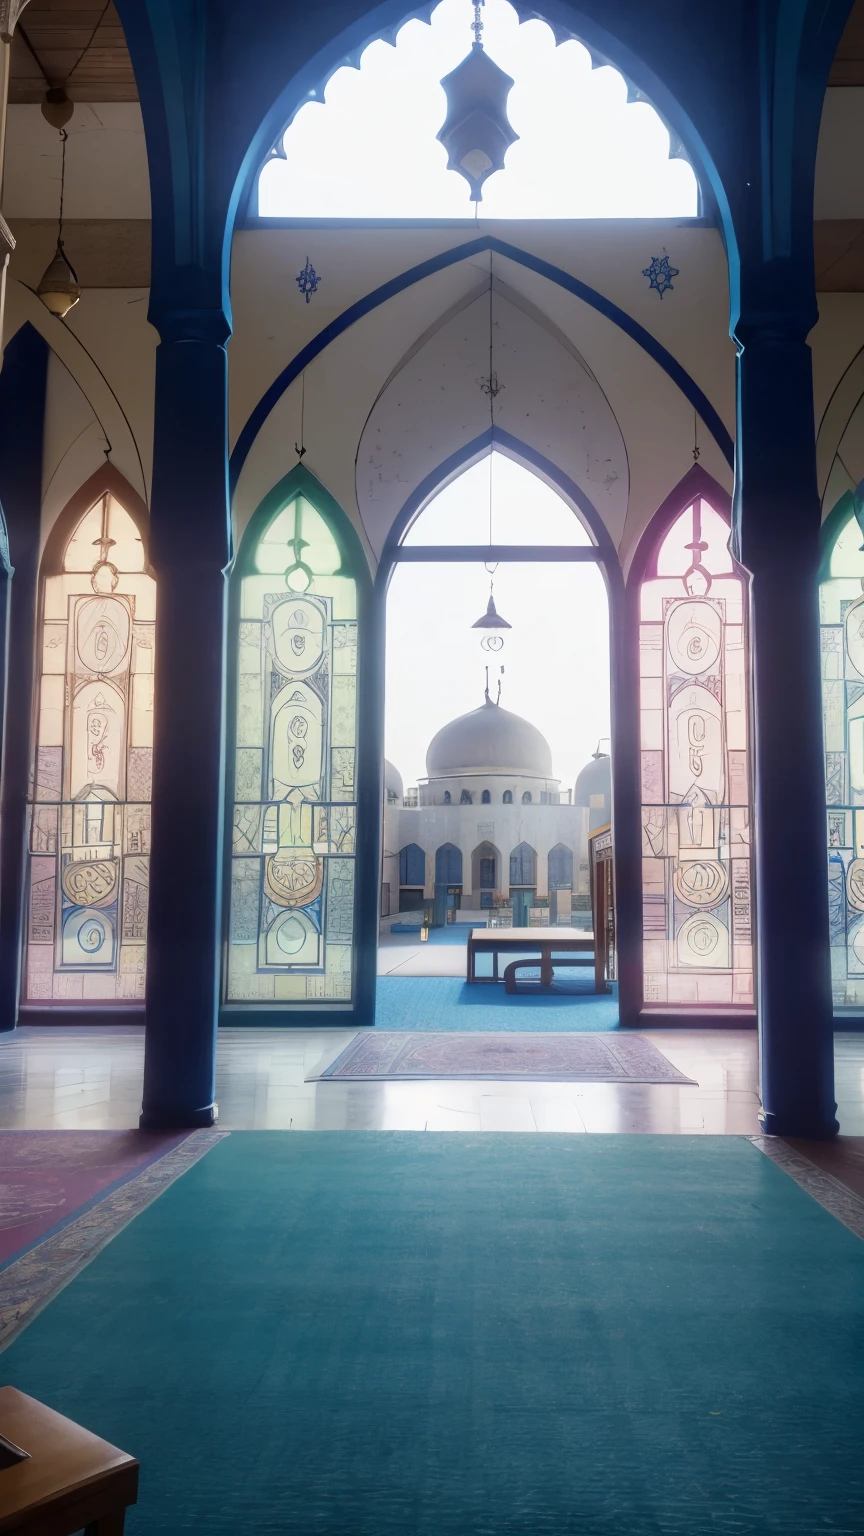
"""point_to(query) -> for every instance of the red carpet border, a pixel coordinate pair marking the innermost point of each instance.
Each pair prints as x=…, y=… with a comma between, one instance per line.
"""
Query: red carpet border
x=28, y=1282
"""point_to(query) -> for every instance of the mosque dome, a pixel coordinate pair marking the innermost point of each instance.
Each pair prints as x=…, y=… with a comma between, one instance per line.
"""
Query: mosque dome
x=393, y=786
x=489, y=740
x=594, y=789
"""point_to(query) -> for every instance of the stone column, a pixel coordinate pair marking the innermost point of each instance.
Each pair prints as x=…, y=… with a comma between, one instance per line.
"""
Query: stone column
x=777, y=530
x=190, y=548
x=22, y=417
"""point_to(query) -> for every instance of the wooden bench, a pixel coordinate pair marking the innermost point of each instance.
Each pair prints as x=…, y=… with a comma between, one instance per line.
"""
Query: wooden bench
x=68, y=1480
x=511, y=974
x=541, y=942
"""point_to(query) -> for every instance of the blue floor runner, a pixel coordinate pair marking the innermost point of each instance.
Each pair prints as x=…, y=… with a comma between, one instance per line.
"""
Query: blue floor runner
x=396, y=1334
x=447, y=1003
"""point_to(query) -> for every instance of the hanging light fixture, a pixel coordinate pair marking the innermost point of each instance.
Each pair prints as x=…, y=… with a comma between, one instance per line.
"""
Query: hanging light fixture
x=59, y=288
x=477, y=132
x=491, y=619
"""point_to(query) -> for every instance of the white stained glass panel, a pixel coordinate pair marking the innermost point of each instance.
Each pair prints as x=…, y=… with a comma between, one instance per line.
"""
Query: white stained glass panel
x=841, y=608
x=696, y=870
x=291, y=923
x=90, y=813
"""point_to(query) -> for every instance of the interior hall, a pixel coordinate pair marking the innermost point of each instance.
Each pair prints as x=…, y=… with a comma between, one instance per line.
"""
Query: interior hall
x=431, y=767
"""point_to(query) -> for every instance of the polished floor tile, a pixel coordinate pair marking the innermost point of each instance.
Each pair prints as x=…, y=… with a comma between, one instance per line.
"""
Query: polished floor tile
x=90, y=1078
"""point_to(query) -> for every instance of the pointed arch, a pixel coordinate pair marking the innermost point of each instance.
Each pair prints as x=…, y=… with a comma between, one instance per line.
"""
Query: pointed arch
x=304, y=798
x=92, y=747
x=688, y=602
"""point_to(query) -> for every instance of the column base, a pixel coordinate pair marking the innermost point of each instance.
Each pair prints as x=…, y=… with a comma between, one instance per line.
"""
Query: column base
x=798, y=1126
x=178, y=1119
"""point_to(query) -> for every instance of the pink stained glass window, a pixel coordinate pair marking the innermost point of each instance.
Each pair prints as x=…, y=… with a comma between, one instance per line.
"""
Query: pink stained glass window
x=694, y=740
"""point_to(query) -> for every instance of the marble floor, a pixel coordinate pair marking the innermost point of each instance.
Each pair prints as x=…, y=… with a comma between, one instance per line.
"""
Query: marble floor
x=91, y=1078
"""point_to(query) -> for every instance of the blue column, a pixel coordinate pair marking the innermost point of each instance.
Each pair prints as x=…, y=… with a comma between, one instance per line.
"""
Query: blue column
x=190, y=549
x=22, y=417
x=777, y=525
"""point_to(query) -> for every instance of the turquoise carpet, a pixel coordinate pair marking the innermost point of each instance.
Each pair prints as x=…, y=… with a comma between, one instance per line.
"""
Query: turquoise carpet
x=446, y=1003
x=396, y=1334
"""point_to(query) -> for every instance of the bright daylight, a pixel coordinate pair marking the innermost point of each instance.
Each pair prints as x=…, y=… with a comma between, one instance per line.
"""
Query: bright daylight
x=370, y=151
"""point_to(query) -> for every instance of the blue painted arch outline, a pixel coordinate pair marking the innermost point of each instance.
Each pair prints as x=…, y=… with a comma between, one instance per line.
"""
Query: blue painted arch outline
x=416, y=274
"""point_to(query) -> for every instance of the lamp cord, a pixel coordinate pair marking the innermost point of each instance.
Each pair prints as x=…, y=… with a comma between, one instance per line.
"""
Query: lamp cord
x=63, y=137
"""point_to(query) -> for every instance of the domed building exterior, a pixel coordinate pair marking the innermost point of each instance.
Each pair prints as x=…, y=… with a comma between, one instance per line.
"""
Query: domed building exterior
x=594, y=790
x=489, y=828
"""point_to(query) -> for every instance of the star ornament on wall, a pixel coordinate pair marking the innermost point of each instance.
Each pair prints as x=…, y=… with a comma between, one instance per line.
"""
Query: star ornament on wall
x=660, y=273
x=307, y=280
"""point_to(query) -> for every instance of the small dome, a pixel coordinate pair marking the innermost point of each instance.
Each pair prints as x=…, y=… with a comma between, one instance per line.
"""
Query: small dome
x=392, y=782
x=489, y=740
x=594, y=790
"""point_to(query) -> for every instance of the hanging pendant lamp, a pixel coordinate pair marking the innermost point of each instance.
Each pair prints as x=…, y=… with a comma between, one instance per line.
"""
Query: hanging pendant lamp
x=491, y=619
x=59, y=288
x=477, y=132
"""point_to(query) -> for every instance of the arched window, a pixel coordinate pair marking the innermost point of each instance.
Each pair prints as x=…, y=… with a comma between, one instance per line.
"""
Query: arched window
x=485, y=798
x=447, y=799
x=523, y=865
x=296, y=588
x=841, y=611
x=412, y=865
x=369, y=150
x=507, y=798
x=694, y=686
x=448, y=865
x=465, y=797
x=560, y=867
x=526, y=797
x=86, y=937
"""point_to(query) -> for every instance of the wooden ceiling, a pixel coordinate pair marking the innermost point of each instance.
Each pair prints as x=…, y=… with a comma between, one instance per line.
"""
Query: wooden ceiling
x=78, y=44
x=848, y=66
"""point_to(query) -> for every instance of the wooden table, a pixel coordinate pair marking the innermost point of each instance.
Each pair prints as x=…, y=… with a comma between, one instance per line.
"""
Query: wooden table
x=541, y=941
x=71, y=1480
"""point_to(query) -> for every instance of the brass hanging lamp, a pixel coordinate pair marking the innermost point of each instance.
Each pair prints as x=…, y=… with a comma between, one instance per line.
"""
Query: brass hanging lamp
x=59, y=288
x=477, y=132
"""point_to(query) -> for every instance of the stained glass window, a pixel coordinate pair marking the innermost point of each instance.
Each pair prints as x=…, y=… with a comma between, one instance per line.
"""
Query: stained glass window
x=291, y=920
x=841, y=612
x=693, y=679
x=89, y=812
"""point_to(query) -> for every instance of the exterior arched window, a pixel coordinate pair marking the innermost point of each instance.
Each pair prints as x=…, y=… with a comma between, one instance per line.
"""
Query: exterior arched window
x=523, y=865
x=485, y=798
x=694, y=709
x=507, y=798
x=297, y=585
x=447, y=798
x=526, y=797
x=448, y=865
x=89, y=815
x=412, y=865
x=465, y=797
x=841, y=613
x=560, y=867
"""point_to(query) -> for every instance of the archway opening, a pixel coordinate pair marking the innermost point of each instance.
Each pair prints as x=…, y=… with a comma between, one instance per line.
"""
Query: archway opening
x=488, y=725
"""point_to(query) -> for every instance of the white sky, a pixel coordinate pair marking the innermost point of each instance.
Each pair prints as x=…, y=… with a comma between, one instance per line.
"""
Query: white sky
x=370, y=151
x=555, y=658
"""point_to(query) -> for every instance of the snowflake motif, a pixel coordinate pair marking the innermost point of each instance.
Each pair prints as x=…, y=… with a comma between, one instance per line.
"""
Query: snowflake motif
x=307, y=280
x=659, y=273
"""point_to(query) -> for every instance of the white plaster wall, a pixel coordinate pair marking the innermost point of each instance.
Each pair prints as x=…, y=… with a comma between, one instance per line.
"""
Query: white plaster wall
x=435, y=405
x=106, y=163
x=839, y=190
x=541, y=826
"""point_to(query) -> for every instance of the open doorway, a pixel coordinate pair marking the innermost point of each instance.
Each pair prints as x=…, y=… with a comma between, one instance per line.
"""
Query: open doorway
x=489, y=726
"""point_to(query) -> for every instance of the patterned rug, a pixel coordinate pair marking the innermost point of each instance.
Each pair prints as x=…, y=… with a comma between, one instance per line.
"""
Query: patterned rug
x=65, y=1194
x=595, y=1058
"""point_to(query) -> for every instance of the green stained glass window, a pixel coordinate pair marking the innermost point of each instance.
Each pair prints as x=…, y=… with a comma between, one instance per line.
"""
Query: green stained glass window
x=841, y=614
x=291, y=909
x=694, y=708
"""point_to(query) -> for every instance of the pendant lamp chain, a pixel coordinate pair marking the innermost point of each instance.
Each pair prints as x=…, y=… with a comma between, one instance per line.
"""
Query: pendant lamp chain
x=59, y=288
